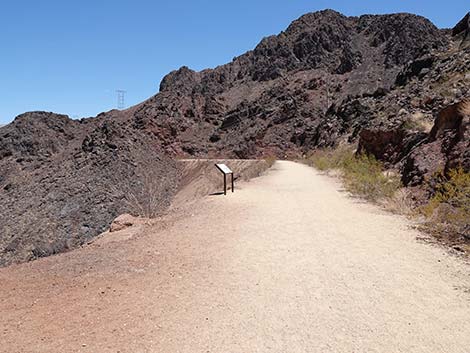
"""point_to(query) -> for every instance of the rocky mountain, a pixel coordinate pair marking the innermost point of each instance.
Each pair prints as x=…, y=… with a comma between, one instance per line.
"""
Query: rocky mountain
x=376, y=79
x=62, y=181
x=289, y=80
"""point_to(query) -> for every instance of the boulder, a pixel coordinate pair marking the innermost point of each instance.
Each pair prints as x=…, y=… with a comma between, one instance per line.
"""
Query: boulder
x=389, y=146
x=423, y=164
x=418, y=67
x=122, y=222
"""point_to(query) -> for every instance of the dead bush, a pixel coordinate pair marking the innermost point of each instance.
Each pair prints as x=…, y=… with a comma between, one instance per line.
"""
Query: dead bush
x=144, y=194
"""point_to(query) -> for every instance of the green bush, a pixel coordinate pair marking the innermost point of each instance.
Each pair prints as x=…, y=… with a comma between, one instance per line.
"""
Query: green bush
x=328, y=159
x=365, y=176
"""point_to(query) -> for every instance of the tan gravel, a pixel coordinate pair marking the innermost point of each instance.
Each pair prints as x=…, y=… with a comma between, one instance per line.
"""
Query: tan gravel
x=288, y=263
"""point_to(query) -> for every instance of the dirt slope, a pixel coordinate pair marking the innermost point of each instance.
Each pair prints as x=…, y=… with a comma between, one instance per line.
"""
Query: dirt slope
x=286, y=264
x=200, y=178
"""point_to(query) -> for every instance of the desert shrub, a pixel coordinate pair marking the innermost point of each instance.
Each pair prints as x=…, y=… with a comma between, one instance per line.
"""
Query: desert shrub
x=363, y=175
x=447, y=212
x=270, y=160
x=144, y=198
x=328, y=159
x=145, y=194
x=449, y=207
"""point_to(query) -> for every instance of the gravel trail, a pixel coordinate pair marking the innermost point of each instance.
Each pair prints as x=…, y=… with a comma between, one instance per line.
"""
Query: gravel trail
x=287, y=263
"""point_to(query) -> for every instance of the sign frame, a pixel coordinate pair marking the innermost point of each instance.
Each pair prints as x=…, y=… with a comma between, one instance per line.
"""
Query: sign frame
x=222, y=167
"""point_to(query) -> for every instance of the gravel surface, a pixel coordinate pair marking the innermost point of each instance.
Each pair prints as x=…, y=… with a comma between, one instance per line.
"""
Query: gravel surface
x=288, y=263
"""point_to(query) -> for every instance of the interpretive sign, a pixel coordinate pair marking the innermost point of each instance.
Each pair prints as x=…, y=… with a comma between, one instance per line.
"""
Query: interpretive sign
x=225, y=171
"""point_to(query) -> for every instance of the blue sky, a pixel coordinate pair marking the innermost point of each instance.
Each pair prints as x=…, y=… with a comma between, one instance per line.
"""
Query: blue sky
x=71, y=56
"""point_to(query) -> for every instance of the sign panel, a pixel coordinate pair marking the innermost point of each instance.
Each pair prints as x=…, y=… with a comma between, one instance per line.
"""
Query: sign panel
x=223, y=168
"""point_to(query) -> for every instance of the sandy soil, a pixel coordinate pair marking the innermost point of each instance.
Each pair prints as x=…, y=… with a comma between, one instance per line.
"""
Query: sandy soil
x=200, y=177
x=288, y=263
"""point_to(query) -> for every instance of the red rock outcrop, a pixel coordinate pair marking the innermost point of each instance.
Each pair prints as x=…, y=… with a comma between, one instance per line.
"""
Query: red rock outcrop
x=447, y=147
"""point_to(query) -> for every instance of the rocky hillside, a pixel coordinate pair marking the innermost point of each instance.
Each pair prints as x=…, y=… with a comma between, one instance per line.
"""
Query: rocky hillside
x=63, y=181
x=325, y=79
x=274, y=98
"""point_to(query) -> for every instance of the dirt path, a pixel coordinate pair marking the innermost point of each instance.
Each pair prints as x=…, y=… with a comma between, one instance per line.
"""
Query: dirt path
x=286, y=264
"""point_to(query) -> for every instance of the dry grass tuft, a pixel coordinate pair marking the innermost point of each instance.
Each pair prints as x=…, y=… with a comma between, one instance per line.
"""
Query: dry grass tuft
x=400, y=203
x=270, y=160
x=418, y=122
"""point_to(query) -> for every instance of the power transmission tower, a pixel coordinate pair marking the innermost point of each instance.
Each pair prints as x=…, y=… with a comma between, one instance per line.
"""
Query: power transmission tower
x=120, y=99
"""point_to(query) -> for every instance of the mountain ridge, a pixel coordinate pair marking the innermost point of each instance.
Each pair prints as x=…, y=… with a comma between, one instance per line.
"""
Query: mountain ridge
x=327, y=78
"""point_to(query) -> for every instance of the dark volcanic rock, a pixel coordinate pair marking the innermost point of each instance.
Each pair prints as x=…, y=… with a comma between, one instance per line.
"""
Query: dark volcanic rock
x=292, y=79
x=422, y=164
x=182, y=80
x=65, y=191
x=324, y=79
x=403, y=37
x=316, y=40
x=36, y=133
x=414, y=69
x=462, y=31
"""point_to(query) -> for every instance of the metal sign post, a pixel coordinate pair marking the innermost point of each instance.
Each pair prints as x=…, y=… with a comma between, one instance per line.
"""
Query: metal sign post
x=225, y=171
